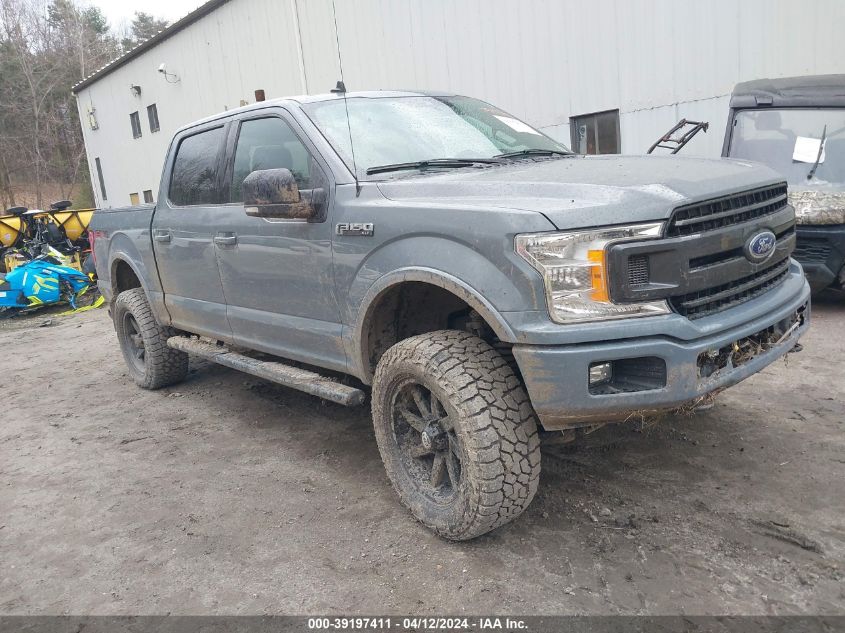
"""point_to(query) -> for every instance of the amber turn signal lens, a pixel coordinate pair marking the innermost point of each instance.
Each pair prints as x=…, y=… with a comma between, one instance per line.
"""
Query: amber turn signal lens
x=598, y=275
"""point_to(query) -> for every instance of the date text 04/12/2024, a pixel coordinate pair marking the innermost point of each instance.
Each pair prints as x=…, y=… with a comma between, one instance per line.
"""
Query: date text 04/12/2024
x=416, y=624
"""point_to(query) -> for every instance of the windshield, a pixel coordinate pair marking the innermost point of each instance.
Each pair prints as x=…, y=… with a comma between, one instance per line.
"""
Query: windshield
x=391, y=130
x=788, y=140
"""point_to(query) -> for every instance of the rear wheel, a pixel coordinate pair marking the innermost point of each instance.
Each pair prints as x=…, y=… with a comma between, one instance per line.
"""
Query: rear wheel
x=456, y=432
x=151, y=363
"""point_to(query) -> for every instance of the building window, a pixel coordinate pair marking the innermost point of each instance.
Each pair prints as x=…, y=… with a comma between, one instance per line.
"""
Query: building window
x=135, y=120
x=152, y=115
x=100, y=178
x=134, y=199
x=596, y=133
x=148, y=196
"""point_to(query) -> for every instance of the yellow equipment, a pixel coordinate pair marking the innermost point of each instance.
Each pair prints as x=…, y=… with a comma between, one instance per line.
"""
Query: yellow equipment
x=74, y=221
x=20, y=226
x=11, y=229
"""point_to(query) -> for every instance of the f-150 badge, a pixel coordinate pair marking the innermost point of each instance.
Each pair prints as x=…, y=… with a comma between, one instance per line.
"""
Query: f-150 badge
x=355, y=228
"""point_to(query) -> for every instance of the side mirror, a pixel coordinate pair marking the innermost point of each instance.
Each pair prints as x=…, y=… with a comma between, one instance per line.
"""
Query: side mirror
x=273, y=193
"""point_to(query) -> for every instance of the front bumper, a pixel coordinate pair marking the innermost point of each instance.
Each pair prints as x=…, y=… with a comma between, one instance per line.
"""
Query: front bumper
x=556, y=376
x=821, y=251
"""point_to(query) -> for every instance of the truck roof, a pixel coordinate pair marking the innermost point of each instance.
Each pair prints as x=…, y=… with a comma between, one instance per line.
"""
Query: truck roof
x=305, y=99
x=807, y=91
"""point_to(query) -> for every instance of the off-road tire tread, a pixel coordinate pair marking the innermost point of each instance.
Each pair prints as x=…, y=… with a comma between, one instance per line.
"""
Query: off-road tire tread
x=164, y=366
x=501, y=429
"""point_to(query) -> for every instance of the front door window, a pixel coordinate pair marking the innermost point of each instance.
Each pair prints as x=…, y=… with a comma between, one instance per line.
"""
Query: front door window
x=268, y=144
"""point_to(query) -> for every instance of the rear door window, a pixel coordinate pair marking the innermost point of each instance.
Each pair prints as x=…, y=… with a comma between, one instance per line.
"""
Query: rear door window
x=195, y=169
x=269, y=144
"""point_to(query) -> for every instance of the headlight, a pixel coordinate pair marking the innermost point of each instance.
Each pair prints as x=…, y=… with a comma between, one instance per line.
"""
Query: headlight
x=574, y=269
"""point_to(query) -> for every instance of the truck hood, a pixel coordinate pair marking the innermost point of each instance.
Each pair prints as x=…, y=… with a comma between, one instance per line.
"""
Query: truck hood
x=584, y=191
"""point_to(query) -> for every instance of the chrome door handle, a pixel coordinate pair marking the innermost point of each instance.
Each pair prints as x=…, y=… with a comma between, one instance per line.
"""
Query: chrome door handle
x=225, y=240
x=163, y=236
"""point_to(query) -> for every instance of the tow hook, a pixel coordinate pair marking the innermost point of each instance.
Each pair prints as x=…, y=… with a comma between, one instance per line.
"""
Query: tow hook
x=796, y=348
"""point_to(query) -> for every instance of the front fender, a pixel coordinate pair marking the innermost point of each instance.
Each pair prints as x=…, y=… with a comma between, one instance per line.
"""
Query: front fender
x=492, y=288
x=357, y=350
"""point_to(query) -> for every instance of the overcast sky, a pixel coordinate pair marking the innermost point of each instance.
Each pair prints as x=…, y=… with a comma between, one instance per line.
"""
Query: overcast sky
x=119, y=11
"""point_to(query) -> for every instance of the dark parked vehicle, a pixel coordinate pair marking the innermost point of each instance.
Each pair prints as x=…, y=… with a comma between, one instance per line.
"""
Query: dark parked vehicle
x=479, y=280
x=796, y=125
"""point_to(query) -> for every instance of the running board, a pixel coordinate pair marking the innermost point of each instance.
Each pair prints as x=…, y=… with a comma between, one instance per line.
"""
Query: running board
x=281, y=374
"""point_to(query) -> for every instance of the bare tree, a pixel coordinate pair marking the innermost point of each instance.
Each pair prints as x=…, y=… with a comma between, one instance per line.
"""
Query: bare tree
x=44, y=49
x=27, y=34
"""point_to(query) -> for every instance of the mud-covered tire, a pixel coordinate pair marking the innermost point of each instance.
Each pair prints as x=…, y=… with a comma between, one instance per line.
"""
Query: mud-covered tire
x=159, y=365
x=493, y=432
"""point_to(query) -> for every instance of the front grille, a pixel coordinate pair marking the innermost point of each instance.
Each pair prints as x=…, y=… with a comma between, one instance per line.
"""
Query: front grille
x=726, y=211
x=701, y=266
x=696, y=305
x=812, y=251
x=734, y=253
x=638, y=270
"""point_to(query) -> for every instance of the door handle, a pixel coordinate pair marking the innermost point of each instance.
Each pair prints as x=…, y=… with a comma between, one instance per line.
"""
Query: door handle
x=163, y=236
x=225, y=240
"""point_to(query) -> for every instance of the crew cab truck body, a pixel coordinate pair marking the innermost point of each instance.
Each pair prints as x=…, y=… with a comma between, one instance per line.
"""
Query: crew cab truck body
x=796, y=125
x=484, y=281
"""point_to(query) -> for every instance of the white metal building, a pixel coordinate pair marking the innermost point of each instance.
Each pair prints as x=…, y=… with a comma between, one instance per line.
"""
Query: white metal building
x=640, y=65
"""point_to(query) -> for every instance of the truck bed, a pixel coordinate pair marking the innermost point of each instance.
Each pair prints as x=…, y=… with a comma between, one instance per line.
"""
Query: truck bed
x=126, y=230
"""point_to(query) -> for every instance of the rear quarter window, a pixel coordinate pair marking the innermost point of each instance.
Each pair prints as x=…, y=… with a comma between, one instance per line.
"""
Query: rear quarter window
x=194, y=179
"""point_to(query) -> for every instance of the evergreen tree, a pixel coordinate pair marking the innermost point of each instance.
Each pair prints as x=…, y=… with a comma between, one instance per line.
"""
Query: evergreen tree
x=144, y=26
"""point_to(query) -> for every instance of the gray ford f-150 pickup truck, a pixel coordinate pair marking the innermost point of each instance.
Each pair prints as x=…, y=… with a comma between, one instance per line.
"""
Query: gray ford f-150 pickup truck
x=481, y=281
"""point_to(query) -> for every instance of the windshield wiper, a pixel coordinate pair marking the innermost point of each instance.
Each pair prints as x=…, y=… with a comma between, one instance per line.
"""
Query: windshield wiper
x=819, y=155
x=533, y=152
x=432, y=162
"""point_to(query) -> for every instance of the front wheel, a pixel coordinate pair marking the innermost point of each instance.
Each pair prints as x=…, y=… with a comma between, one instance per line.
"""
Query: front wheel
x=456, y=432
x=151, y=363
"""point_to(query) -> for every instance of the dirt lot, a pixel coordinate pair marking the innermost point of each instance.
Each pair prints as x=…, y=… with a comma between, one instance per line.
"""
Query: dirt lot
x=231, y=495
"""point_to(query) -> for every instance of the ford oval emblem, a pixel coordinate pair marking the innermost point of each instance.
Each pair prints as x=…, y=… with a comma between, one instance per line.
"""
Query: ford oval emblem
x=760, y=247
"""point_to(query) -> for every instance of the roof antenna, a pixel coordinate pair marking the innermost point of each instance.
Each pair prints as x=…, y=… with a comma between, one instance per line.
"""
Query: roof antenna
x=340, y=88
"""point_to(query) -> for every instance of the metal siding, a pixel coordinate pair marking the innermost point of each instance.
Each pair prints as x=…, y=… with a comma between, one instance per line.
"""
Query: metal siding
x=318, y=45
x=544, y=60
x=214, y=58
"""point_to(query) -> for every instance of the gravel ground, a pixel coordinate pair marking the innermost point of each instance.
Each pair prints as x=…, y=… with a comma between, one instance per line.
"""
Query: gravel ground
x=230, y=495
